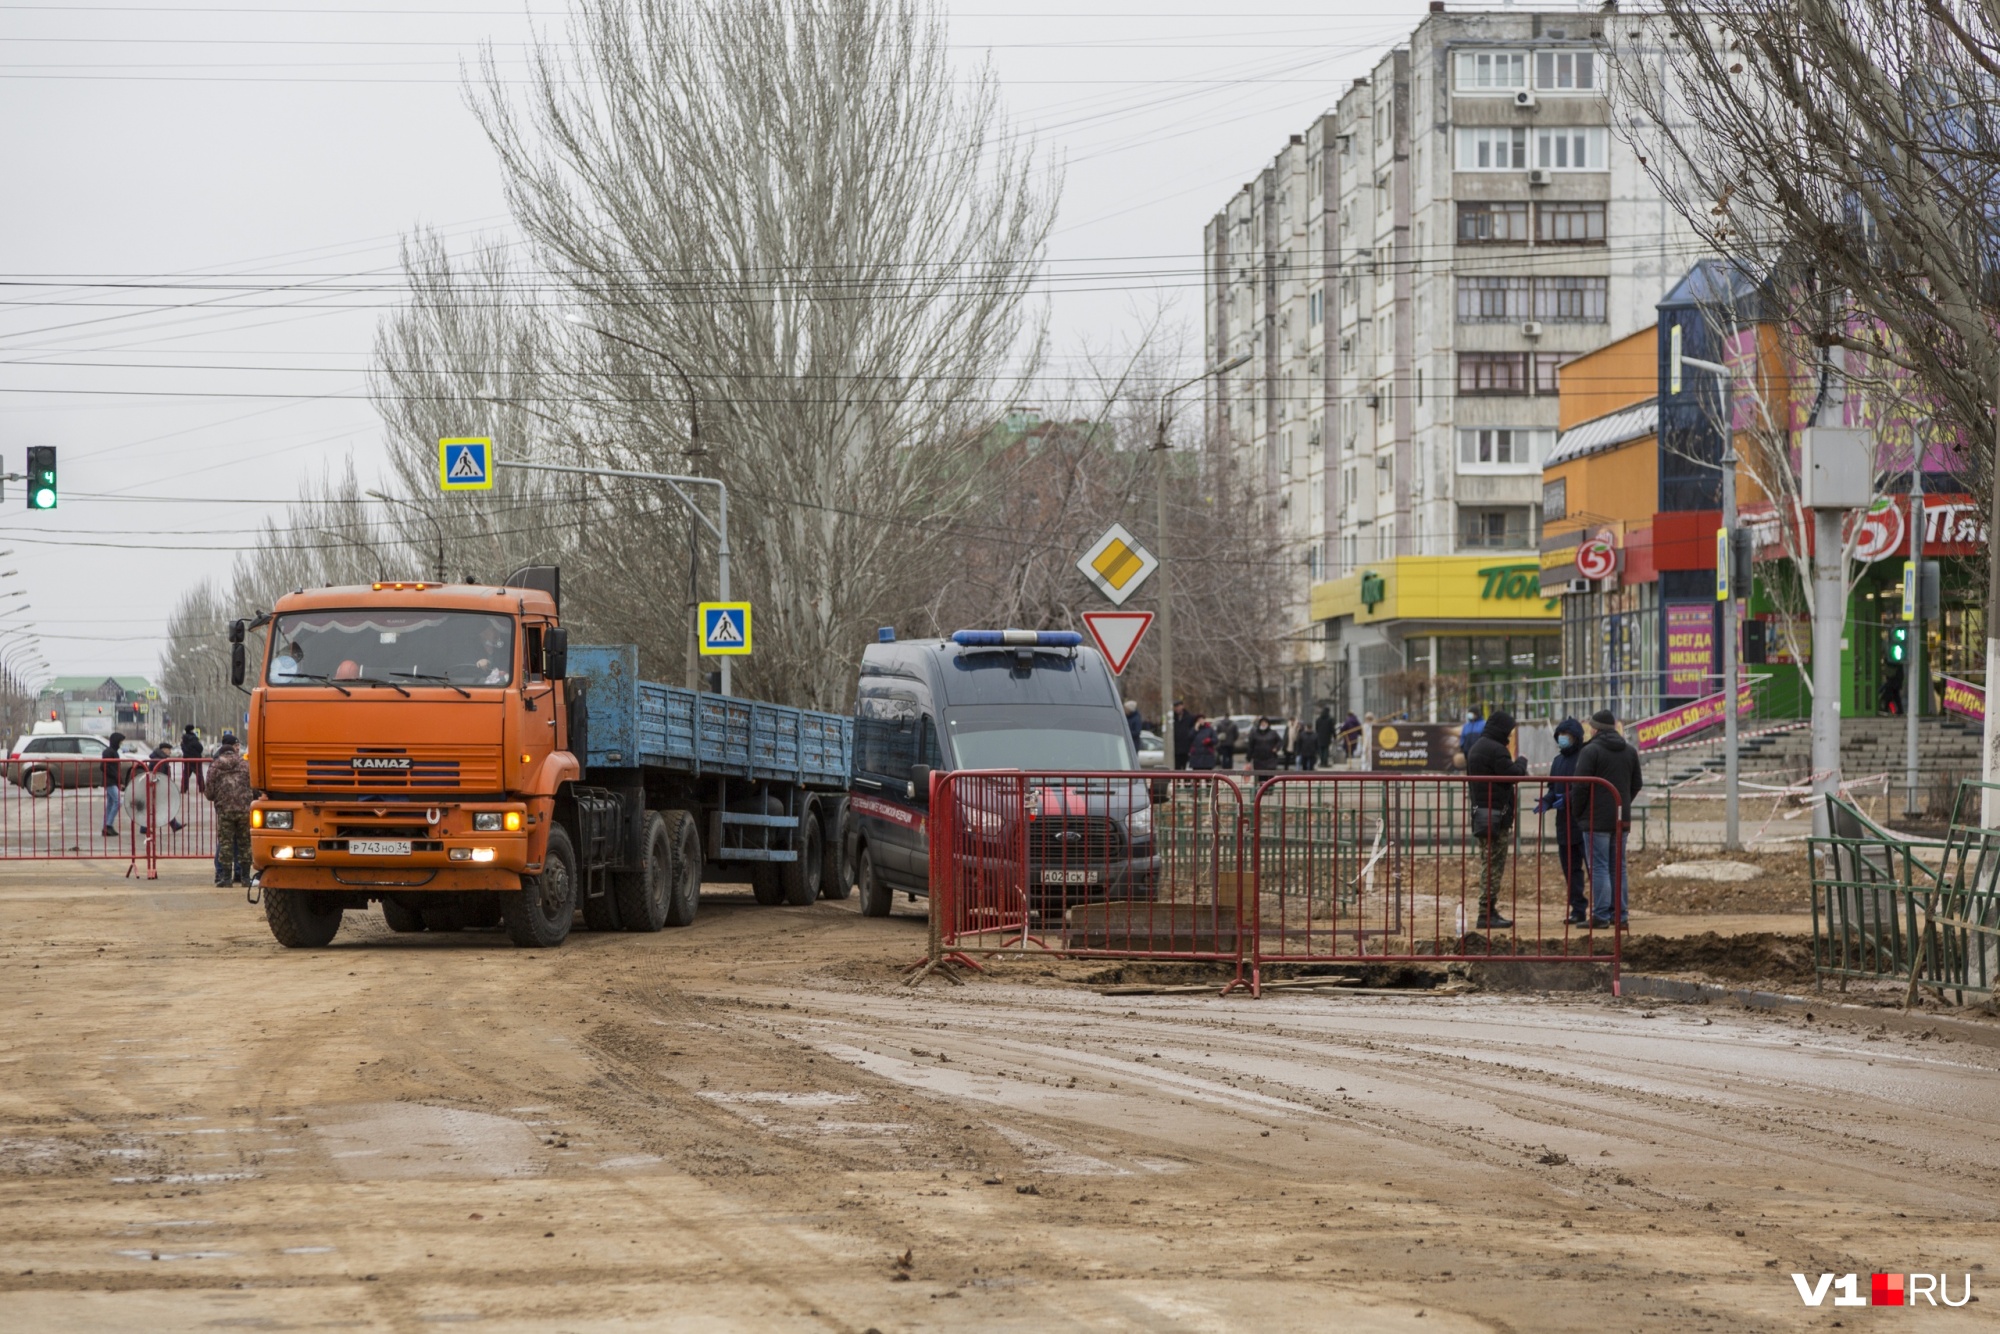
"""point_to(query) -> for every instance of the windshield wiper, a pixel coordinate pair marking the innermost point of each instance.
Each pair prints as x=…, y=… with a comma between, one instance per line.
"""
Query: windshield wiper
x=442, y=680
x=371, y=681
x=325, y=681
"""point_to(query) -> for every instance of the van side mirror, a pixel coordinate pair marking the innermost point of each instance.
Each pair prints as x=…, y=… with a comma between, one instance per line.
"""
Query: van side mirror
x=555, y=652
x=236, y=663
x=920, y=782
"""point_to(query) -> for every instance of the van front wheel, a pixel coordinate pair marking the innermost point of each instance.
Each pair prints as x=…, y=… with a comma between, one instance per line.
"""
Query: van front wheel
x=876, y=897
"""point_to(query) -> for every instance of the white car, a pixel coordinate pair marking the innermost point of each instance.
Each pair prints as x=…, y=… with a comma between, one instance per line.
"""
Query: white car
x=1153, y=751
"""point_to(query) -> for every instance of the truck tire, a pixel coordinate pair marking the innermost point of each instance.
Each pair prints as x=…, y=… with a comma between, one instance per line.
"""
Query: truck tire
x=800, y=878
x=642, y=894
x=400, y=918
x=538, y=914
x=299, y=920
x=836, y=877
x=764, y=883
x=876, y=897
x=684, y=889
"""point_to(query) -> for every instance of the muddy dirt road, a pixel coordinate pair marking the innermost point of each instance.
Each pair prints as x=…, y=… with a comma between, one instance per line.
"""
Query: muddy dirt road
x=750, y=1125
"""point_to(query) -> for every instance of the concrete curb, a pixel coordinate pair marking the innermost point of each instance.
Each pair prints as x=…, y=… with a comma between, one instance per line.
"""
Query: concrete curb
x=1707, y=993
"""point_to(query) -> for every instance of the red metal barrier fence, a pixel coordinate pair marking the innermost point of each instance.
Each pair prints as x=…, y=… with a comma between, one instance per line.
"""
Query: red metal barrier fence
x=1304, y=869
x=54, y=808
x=176, y=793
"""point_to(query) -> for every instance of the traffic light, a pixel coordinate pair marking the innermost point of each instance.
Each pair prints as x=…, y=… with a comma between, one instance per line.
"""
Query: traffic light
x=41, y=477
x=1898, y=642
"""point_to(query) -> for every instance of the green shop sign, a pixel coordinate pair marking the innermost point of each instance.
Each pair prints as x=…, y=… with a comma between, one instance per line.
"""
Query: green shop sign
x=1513, y=582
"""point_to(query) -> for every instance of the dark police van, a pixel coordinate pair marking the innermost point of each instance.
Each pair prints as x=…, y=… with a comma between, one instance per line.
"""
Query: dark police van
x=1035, y=700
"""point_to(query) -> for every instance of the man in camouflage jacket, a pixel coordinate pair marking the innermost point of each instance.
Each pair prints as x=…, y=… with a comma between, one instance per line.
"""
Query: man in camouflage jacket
x=229, y=789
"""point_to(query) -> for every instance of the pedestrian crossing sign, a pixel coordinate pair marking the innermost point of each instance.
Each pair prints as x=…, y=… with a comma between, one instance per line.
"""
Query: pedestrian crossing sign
x=725, y=629
x=465, y=464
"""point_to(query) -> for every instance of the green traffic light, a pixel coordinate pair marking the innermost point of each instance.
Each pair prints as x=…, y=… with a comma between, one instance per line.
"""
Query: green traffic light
x=44, y=498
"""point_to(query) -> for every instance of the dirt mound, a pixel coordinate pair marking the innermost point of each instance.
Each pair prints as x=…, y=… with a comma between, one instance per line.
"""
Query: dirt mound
x=1784, y=883
x=1761, y=957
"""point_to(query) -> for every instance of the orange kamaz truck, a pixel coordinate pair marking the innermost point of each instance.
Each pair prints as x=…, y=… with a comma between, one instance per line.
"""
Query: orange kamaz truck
x=443, y=750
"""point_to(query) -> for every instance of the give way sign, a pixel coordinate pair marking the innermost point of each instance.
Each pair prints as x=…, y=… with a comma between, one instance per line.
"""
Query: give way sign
x=1117, y=634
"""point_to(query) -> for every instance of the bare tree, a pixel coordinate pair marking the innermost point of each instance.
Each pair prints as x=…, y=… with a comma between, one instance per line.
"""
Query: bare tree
x=800, y=217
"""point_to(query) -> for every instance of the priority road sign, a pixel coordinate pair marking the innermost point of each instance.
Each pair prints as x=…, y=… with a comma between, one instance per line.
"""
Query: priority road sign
x=1117, y=564
x=725, y=629
x=465, y=463
x=1117, y=634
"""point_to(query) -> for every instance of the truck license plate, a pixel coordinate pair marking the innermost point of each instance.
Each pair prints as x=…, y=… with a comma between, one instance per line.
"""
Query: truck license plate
x=1069, y=877
x=378, y=847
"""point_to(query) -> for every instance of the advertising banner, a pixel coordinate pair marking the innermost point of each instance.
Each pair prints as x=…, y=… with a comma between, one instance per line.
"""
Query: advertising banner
x=1690, y=648
x=1688, y=719
x=1415, y=746
x=1963, y=697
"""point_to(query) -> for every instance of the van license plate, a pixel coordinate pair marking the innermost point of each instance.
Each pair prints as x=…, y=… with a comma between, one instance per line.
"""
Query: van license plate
x=1069, y=877
x=375, y=847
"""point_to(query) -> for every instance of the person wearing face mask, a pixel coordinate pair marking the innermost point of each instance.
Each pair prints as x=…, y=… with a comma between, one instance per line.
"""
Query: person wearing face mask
x=1572, y=849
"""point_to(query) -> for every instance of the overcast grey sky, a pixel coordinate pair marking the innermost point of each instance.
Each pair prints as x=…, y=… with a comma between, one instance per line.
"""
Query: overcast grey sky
x=203, y=204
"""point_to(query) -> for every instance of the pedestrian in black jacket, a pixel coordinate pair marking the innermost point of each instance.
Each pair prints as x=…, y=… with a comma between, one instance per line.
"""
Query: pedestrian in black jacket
x=1265, y=747
x=1610, y=757
x=1572, y=837
x=1493, y=810
x=1183, y=735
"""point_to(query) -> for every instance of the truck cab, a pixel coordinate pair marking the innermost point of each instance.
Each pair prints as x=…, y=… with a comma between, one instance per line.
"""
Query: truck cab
x=1035, y=701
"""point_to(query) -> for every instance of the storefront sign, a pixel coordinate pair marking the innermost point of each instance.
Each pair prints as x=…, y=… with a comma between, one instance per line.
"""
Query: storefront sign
x=1510, y=581
x=1415, y=746
x=1690, y=647
x=1965, y=698
x=1953, y=526
x=1688, y=719
x=1597, y=555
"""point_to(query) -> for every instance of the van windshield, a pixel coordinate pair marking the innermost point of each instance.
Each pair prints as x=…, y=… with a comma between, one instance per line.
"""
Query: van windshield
x=466, y=648
x=1071, y=738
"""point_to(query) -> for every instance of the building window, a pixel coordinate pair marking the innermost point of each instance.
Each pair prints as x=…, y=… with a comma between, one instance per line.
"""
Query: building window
x=1492, y=71
x=1571, y=300
x=1493, y=149
x=1492, y=300
x=1508, y=372
x=1479, y=223
x=1570, y=224
x=1571, y=148
x=1565, y=71
x=1489, y=529
x=1492, y=373
x=1313, y=303
x=1502, y=448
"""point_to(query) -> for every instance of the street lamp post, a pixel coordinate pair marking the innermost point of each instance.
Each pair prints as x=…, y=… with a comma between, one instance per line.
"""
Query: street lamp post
x=1160, y=447
x=1726, y=560
x=437, y=529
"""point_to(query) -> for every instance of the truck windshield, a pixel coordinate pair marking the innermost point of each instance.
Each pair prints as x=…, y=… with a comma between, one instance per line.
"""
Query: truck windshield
x=1071, y=738
x=392, y=647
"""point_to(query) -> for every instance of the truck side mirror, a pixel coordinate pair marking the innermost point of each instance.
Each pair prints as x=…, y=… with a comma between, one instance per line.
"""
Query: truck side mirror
x=236, y=663
x=236, y=631
x=555, y=652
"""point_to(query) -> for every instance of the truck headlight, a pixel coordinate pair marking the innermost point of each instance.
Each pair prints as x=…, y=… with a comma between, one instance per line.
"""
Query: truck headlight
x=1139, y=824
x=271, y=819
x=486, y=822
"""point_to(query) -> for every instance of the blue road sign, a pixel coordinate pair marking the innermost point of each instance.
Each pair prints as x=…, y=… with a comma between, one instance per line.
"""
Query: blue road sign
x=725, y=629
x=465, y=464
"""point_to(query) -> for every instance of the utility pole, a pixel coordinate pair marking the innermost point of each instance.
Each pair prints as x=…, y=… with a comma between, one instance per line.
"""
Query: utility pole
x=1160, y=448
x=437, y=529
x=1914, y=683
x=1989, y=768
x=1725, y=561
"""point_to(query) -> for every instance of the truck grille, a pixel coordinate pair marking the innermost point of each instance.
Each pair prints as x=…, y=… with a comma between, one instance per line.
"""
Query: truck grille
x=295, y=768
x=1074, y=841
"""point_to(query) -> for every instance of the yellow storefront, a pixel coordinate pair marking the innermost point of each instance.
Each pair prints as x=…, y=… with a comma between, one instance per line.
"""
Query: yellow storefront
x=1424, y=636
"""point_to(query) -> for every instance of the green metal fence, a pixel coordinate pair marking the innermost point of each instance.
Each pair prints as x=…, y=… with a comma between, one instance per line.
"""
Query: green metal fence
x=1886, y=906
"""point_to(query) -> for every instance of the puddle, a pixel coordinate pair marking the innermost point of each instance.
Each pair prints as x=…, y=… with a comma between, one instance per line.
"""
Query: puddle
x=1046, y=1156
x=184, y=1178
x=390, y=1140
x=307, y=1250
x=631, y=1160
x=175, y=1255
x=787, y=1099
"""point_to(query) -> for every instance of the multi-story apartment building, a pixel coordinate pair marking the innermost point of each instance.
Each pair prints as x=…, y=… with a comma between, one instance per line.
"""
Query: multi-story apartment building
x=1408, y=277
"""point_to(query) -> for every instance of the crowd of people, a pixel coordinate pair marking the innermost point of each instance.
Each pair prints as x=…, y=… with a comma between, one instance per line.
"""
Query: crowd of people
x=1266, y=744
x=222, y=780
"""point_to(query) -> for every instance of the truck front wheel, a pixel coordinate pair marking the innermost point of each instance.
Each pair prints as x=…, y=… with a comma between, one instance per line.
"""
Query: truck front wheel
x=538, y=915
x=642, y=894
x=299, y=919
x=401, y=918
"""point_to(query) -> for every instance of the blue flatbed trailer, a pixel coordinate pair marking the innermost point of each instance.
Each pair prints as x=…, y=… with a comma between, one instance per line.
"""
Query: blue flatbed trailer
x=765, y=783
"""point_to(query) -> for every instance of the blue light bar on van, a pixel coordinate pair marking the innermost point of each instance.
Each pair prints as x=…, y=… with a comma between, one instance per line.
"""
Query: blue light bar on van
x=1012, y=638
